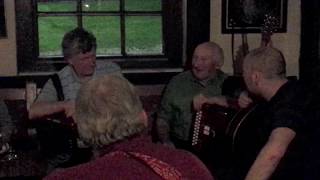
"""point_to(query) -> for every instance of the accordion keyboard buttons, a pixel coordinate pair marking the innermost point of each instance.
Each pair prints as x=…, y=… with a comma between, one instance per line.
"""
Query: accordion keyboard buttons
x=196, y=129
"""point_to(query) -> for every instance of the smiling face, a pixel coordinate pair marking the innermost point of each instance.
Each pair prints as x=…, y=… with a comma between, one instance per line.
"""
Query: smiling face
x=203, y=62
x=84, y=64
x=79, y=50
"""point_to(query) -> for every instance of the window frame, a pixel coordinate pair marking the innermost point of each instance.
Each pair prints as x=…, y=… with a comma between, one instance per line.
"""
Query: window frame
x=79, y=14
x=27, y=36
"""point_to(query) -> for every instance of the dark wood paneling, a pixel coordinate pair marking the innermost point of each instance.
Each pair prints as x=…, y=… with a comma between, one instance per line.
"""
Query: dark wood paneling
x=26, y=53
x=3, y=28
x=135, y=78
x=198, y=25
x=173, y=36
x=309, y=62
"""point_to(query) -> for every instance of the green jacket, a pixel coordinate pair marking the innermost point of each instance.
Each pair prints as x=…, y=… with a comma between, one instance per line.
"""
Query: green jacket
x=176, y=107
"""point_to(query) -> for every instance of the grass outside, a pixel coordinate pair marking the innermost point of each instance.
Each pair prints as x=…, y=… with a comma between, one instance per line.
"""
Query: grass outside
x=143, y=33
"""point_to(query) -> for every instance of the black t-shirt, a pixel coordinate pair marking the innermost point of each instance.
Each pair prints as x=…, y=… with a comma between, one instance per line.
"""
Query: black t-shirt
x=289, y=107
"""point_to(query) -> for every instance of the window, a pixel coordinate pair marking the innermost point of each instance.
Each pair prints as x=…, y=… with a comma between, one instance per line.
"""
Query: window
x=127, y=27
x=136, y=33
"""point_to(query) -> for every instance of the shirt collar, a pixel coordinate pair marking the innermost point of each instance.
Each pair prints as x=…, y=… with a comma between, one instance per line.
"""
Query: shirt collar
x=76, y=77
x=211, y=79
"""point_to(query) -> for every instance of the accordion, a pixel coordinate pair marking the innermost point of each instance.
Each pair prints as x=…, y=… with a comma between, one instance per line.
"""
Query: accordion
x=223, y=127
x=210, y=125
x=57, y=134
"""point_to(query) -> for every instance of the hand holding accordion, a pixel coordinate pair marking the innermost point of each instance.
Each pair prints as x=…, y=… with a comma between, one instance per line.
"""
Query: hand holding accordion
x=218, y=126
x=210, y=123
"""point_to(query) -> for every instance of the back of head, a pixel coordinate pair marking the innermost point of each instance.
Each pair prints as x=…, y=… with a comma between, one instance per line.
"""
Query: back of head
x=77, y=41
x=267, y=60
x=107, y=110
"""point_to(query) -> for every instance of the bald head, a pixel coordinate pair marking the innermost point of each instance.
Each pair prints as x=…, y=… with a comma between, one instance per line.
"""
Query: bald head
x=216, y=50
x=207, y=58
x=267, y=60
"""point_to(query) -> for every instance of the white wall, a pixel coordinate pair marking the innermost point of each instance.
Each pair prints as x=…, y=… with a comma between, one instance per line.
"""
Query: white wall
x=8, y=54
x=288, y=43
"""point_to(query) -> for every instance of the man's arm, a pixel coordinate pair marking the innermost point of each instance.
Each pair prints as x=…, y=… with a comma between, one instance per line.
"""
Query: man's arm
x=43, y=108
x=200, y=99
x=271, y=154
x=163, y=129
x=47, y=103
x=162, y=122
x=165, y=113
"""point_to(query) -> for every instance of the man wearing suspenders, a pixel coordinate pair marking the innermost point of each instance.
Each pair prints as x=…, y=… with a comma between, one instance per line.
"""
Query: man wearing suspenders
x=59, y=92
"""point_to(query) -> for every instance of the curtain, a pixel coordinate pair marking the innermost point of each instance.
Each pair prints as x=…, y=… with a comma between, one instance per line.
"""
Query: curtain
x=309, y=62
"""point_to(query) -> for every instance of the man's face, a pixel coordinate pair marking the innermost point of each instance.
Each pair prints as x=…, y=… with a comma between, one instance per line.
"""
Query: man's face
x=203, y=65
x=248, y=78
x=84, y=64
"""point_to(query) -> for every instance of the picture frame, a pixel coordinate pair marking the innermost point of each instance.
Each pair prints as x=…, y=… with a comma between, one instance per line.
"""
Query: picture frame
x=247, y=16
x=3, y=29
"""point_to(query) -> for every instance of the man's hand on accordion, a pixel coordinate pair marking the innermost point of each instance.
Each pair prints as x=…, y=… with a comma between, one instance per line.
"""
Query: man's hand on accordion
x=200, y=99
x=244, y=100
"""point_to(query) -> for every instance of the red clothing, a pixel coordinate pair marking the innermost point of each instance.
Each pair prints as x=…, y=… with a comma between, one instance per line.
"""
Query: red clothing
x=122, y=167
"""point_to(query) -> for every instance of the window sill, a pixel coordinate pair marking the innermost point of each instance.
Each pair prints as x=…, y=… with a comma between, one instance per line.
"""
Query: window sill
x=146, y=76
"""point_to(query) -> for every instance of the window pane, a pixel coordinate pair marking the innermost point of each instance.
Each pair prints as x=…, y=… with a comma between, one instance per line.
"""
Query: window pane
x=100, y=5
x=107, y=32
x=51, y=31
x=143, y=35
x=57, y=5
x=143, y=5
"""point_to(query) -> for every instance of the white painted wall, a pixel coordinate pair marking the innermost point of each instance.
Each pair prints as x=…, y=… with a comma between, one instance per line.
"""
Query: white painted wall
x=288, y=43
x=8, y=54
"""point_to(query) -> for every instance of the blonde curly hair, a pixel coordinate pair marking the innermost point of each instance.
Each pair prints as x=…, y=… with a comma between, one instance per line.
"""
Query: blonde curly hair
x=108, y=109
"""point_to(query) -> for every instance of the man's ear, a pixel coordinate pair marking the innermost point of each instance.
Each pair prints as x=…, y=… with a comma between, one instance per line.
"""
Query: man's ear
x=256, y=76
x=144, y=117
x=70, y=61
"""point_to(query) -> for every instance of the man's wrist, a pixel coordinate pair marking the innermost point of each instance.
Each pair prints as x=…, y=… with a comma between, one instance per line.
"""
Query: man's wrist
x=168, y=143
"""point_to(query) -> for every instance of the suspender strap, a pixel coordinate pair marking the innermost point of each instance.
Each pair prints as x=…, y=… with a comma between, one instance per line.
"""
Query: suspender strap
x=161, y=168
x=57, y=84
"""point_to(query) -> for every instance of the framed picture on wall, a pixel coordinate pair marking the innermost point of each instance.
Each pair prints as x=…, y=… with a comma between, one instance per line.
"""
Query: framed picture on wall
x=3, y=29
x=248, y=16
